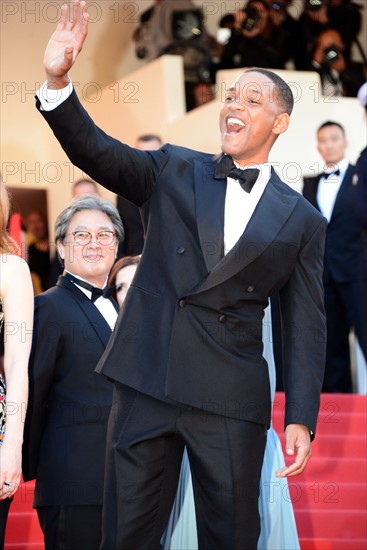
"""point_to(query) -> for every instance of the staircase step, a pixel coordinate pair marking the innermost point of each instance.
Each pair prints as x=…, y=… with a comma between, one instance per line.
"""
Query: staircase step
x=349, y=544
x=331, y=403
x=340, y=446
x=315, y=544
x=333, y=424
x=332, y=524
x=335, y=544
x=332, y=470
x=25, y=546
x=337, y=446
x=316, y=496
x=21, y=527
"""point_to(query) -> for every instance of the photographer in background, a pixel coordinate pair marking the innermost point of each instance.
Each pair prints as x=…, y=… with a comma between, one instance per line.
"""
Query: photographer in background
x=176, y=27
x=318, y=15
x=339, y=77
x=255, y=41
x=313, y=21
x=281, y=17
x=345, y=17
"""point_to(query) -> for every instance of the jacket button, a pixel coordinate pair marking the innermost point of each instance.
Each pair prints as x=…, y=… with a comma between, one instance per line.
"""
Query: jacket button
x=250, y=288
x=180, y=250
x=182, y=303
x=222, y=318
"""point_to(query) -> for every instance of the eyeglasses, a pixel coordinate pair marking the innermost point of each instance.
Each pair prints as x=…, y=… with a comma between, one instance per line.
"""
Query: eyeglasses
x=104, y=238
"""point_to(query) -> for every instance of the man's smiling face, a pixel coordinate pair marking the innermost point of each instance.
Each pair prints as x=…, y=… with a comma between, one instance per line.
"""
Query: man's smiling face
x=251, y=119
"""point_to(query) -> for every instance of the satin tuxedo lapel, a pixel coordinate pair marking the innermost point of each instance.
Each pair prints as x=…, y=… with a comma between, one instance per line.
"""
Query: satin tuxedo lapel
x=270, y=215
x=97, y=322
x=210, y=195
x=340, y=202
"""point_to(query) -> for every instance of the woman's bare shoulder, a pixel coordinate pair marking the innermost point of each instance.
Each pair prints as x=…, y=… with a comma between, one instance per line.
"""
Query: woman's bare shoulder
x=12, y=266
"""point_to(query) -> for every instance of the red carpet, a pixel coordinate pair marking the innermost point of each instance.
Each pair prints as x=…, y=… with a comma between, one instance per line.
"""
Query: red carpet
x=329, y=499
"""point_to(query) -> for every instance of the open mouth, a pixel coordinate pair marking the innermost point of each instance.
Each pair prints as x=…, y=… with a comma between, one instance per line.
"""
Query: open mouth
x=234, y=125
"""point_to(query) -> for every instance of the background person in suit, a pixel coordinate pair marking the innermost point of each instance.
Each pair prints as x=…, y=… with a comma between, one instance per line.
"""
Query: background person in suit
x=130, y=213
x=361, y=171
x=69, y=403
x=334, y=193
x=186, y=353
x=82, y=186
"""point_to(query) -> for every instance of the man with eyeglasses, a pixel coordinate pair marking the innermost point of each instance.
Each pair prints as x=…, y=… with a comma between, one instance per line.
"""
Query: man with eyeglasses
x=69, y=403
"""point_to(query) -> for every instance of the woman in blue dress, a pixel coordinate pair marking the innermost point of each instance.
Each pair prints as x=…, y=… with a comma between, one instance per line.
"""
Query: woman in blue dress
x=278, y=526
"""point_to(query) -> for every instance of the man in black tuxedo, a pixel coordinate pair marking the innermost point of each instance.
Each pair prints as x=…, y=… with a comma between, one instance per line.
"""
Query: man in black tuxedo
x=334, y=192
x=69, y=403
x=186, y=353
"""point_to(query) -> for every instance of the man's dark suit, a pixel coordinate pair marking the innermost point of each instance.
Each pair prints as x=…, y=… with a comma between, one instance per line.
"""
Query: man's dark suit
x=69, y=404
x=345, y=278
x=191, y=329
x=133, y=243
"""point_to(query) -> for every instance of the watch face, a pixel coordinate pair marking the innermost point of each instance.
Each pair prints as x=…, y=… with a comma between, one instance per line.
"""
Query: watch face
x=186, y=24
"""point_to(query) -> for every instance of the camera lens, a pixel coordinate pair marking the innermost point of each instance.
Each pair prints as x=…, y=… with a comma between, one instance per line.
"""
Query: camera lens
x=252, y=16
x=331, y=54
x=313, y=5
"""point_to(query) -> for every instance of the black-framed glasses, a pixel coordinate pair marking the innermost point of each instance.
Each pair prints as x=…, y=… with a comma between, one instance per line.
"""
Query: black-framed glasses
x=104, y=238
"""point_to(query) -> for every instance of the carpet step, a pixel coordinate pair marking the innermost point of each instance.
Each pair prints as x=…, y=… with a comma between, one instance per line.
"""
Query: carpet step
x=341, y=446
x=332, y=524
x=330, y=424
x=349, y=544
x=335, y=544
x=332, y=470
x=318, y=496
x=21, y=527
x=331, y=403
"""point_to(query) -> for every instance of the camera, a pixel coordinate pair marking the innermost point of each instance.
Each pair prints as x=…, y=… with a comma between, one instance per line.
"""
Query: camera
x=313, y=5
x=186, y=24
x=278, y=6
x=331, y=54
x=252, y=17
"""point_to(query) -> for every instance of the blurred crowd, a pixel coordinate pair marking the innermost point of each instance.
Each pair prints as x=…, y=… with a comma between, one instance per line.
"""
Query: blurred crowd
x=263, y=33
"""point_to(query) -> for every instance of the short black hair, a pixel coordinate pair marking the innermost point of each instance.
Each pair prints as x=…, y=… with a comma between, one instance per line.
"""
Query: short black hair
x=331, y=123
x=283, y=93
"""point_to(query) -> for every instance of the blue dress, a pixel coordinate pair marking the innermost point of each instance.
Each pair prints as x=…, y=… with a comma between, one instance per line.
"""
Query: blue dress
x=278, y=526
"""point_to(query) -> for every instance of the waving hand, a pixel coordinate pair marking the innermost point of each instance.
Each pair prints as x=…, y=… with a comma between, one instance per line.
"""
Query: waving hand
x=65, y=43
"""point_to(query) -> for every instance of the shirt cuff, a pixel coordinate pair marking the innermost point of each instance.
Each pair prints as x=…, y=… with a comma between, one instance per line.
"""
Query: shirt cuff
x=50, y=99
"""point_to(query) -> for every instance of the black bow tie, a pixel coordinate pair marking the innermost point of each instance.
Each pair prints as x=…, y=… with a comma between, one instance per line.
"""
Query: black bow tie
x=96, y=292
x=327, y=175
x=226, y=168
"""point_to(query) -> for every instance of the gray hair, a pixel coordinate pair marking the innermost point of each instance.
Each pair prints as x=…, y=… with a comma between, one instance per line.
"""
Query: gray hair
x=88, y=202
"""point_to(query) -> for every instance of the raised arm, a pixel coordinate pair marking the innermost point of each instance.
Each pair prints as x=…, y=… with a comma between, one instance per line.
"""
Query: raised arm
x=66, y=43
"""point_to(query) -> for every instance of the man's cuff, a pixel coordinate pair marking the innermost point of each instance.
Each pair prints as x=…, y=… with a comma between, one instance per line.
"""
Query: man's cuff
x=50, y=99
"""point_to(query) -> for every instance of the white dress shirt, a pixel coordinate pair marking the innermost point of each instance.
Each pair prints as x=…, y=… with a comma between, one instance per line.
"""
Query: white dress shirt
x=328, y=189
x=239, y=205
x=104, y=305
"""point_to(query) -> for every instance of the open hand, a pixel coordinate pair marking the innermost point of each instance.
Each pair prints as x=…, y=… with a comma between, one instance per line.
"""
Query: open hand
x=66, y=43
x=297, y=439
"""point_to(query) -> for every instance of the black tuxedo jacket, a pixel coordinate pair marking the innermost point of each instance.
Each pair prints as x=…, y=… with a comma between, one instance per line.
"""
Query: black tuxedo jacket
x=190, y=330
x=344, y=246
x=69, y=403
